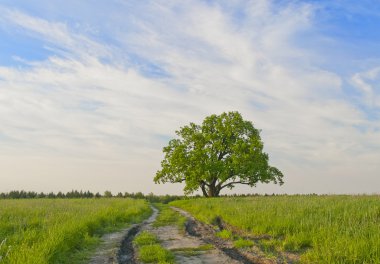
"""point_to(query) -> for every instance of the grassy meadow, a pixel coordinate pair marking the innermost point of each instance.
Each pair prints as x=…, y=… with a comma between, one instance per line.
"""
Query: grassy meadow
x=61, y=230
x=320, y=229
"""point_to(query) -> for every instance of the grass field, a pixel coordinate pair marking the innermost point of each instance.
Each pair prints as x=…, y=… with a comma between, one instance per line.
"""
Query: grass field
x=321, y=229
x=61, y=230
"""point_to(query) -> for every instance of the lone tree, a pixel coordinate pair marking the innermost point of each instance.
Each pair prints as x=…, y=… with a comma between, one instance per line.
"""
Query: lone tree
x=222, y=152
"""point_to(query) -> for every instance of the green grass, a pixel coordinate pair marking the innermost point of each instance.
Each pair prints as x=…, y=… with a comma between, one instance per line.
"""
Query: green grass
x=193, y=251
x=243, y=243
x=155, y=254
x=149, y=249
x=145, y=238
x=225, y=234
x=204, y=247
x=321, y=229
x=61, y=230
x=168, y=216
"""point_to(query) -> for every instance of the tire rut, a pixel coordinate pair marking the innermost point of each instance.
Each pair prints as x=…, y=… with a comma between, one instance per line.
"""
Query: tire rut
x=207, y=234
x=117, y=247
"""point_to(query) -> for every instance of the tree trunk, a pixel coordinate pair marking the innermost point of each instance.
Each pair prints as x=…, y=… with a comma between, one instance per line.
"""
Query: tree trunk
x=203, y=188
x=213, y=191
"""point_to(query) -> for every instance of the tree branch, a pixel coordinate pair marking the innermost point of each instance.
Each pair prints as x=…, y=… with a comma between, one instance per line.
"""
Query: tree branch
x=224, y=152
x=178, y=180
x=221, y=155
x=232, y=183
x=223, y=181
x=204, y=183
x=212, y=183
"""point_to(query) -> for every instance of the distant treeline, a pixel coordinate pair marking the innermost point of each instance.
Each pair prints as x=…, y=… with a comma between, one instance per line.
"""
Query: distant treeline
x=107, y=194
x=87, y=194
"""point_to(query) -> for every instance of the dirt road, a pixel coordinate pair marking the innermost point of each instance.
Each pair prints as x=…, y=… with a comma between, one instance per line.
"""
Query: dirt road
x=196, y=244
x=117, y=247
x=186, y=247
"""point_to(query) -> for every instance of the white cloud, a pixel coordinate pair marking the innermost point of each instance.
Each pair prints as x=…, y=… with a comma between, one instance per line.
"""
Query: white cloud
x=58, y=34
x=368, y=84
x=76, y=105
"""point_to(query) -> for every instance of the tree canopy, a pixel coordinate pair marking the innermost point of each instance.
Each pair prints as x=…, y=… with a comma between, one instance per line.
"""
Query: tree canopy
x=222, y=152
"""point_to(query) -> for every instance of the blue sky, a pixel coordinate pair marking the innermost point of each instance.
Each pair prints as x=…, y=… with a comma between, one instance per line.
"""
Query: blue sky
x=90, y=91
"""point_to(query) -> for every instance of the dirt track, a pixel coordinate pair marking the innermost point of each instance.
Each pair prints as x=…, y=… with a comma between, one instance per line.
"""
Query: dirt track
x=176, y=240
x=118, y=248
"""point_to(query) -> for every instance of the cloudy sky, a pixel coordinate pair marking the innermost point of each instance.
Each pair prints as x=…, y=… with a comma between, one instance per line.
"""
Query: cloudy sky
x=90, y=91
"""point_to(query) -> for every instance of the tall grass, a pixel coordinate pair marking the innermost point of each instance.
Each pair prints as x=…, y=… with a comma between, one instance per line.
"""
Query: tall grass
x=54, y=231
x=322, y=229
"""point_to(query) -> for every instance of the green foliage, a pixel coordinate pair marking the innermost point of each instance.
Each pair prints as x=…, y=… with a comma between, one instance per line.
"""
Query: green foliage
x=107, y=194
x=30, y=194
x=145, y=238
x=60, y=230
x=322, y=229
x=222, y=152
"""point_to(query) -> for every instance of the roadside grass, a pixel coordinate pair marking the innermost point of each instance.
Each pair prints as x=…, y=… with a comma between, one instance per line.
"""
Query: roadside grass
x=243, y=243
x=149, y=249
x=61, y=230
x=269, y=245
x=82, y=254
x=320, y=229
x=145, y=238
x=193, y=251
x=225, y=234
x=155, y=254
x=168, y=216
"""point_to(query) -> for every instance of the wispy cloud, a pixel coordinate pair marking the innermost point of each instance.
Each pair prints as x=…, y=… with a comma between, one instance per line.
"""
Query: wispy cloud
x=118, y=101
x=368, y=83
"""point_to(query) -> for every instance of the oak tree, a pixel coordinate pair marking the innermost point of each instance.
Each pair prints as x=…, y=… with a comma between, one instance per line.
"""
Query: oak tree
x=223, y=151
